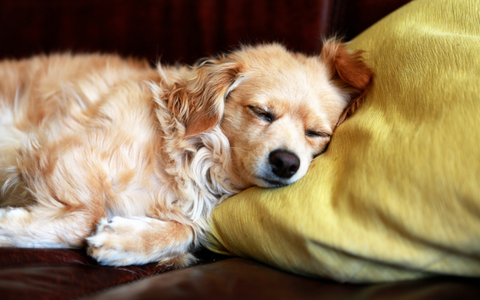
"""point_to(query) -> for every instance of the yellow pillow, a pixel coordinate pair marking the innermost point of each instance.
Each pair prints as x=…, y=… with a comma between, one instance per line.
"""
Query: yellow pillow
x=397, y=194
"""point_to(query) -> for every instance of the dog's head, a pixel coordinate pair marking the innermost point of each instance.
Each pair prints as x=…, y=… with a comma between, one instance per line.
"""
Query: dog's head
x=277, y=109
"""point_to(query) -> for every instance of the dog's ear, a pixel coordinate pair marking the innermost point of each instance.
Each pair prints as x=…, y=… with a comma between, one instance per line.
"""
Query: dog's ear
x=198, y=101
x=348, y=69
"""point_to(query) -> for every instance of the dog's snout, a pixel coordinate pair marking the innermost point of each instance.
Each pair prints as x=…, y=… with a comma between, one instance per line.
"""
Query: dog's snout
x=284, y=163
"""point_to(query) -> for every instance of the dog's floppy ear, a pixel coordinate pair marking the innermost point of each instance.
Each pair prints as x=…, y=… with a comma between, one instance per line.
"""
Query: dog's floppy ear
x=349, y=70
x=198, y=102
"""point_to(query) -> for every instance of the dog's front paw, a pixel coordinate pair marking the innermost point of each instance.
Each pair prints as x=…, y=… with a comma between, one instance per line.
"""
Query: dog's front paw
x=116, y=243
x=4, y=236
x=11, y=220
x=140, y=240
x=9, y=214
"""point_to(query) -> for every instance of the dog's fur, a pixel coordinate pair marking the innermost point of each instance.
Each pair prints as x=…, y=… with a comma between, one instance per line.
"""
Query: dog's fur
x=130, y=161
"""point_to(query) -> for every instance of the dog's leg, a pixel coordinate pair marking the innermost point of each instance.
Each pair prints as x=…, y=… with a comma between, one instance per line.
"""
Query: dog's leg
x=31, y=228
x=140, y=240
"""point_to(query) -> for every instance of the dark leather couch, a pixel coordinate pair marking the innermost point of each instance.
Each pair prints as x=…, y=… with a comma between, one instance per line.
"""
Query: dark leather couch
x=183, y=31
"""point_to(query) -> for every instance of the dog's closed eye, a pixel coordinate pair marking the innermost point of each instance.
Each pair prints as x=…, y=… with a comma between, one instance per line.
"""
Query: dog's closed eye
x=314, y=134
x=263, y=114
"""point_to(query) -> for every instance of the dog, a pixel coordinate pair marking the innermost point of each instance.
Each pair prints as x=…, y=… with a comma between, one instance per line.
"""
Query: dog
x=129, y=161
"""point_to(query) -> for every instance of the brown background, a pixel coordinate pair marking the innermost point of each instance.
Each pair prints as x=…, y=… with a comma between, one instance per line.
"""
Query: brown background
x=178, y=30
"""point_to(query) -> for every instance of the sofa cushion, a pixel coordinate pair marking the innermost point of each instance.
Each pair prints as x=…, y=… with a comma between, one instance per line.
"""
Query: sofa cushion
x=397, y=194
x=239, y=279
x=58, y=274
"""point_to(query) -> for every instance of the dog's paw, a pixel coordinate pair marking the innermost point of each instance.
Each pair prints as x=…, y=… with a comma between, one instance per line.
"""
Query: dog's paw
x=12, y=214
x=4, y=236
x=116, y=243
x=10, y=222
x=140, y=240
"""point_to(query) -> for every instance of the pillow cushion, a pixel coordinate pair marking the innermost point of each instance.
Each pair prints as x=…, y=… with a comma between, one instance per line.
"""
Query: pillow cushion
x=397, y=194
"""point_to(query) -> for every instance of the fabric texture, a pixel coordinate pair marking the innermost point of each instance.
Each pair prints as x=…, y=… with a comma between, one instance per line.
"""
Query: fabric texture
x=397, y=194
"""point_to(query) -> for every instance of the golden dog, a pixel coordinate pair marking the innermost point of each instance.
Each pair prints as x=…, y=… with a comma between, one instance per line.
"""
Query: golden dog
x=130, y=161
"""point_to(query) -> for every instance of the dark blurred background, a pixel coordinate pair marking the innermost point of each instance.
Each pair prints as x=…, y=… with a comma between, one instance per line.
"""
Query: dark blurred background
x=178, y=30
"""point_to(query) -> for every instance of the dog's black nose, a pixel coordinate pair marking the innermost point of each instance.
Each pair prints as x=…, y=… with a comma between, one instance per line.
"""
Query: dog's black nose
x=284, y=163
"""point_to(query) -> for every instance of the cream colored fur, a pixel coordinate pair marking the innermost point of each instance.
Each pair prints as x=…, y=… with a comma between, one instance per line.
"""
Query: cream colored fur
x=129, y=161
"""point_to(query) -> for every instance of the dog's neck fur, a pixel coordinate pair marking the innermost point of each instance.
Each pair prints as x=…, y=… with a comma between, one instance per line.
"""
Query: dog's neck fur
x=198, y=167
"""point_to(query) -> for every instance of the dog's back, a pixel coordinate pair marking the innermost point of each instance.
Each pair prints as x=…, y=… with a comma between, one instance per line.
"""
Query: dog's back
x=47, y=102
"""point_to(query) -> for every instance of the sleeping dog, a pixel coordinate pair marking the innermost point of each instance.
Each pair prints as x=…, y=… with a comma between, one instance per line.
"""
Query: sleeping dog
x=129, y=161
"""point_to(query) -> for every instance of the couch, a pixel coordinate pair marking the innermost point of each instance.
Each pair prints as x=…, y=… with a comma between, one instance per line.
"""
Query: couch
x=183, y=31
